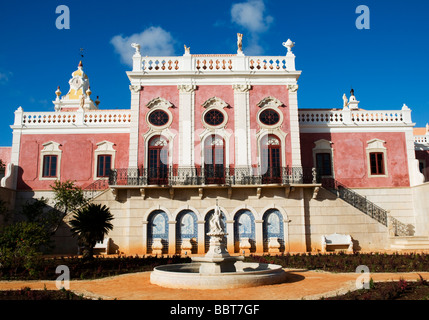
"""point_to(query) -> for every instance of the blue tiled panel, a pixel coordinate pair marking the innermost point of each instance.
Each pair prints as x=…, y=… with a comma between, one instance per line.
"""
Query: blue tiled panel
x=158, y=229
x=244, y=225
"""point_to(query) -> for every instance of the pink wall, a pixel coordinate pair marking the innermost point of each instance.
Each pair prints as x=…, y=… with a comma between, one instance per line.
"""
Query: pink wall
x=77, y=159
x=169, y=93
x=256, y=94
x=202, y=94
x=350, y=159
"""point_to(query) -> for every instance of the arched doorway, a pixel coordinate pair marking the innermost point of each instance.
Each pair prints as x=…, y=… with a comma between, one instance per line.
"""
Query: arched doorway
x=271, y=159
x=214, y=160
x=157, y=230
x=244, y=228
x=158, y=161
x=186, y=229
x=273, y=228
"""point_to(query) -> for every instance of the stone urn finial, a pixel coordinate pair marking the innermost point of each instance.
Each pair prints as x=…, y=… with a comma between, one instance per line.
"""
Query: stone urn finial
x=289, y=44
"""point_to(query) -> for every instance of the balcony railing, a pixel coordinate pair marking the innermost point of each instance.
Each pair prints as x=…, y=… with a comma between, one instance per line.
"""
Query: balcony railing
x=197, y=176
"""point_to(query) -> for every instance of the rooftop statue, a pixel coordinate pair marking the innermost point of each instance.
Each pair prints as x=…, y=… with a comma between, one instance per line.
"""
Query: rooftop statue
x=240, y=42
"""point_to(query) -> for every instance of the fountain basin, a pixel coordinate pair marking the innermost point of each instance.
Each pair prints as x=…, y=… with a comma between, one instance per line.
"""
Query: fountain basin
x=188, y=276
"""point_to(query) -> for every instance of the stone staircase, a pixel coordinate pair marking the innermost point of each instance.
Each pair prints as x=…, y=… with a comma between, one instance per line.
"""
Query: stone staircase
x=409, y=243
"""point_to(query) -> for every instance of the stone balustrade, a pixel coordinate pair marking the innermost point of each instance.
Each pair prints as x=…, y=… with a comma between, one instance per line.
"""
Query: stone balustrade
x=421, y=139
x=116, y=118
x=213, y=63
x=335, y=117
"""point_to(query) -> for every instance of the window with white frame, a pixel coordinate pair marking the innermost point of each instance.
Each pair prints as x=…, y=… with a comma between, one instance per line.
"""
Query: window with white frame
x=323, y=156
x=376, y=154
x=104, y=159
x=50, y=161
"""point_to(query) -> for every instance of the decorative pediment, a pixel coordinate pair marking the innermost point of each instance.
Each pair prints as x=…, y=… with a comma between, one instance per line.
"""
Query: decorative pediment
x=51, y=146
x=160, y=103
x=376, y=144
x=215, y=102
x=323, y=144
x=105, y=146
x=269, y=102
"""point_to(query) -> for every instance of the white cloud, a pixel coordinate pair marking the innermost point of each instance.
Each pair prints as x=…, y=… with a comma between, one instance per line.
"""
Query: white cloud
x=4, y=77
x=250, y=15
x=154, y=41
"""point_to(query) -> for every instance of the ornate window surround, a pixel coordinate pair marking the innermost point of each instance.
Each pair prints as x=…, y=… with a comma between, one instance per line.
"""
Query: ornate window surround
x=159, y=104
x=103, y=148
x=324, y=146
x=218, y=104
x=270, y=103
x=167, y=135
x=50, y=148
x=224, y=134
x=280, y=135
x=376, y=146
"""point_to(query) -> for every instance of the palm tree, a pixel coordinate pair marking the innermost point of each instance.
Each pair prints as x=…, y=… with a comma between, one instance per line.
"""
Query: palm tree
x=91, y=223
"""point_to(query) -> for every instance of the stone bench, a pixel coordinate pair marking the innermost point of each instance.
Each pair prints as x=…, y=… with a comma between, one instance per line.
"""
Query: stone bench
x=103, y=245
x=100, y=246
x=335, y=240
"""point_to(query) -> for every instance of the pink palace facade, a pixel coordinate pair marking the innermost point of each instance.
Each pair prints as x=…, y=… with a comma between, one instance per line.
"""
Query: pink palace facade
x=226, y=129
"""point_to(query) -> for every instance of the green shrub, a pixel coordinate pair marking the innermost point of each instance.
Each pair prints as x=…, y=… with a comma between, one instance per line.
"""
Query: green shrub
x=21, y=246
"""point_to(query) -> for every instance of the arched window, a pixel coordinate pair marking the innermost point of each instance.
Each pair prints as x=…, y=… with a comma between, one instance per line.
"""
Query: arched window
x=158, y=161
x=214, y=160
x=271, y=159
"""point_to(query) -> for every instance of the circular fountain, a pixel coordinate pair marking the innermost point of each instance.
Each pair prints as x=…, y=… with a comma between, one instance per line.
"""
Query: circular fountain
x=217, y=269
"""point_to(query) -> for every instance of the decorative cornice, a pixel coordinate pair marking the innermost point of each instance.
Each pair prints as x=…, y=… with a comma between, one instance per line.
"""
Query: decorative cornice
x=186, y=88
x=293, y=87
x=135, y=88
x=241, y=87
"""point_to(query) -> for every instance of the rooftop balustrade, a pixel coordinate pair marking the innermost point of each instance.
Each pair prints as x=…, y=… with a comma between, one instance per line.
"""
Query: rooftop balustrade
x=101, y=118
x=213, y=63
x=342, y=117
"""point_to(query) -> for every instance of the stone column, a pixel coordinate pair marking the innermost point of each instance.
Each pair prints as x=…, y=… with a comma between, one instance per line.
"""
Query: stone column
x=144, y=236
x=16, y=146
x=201, y=237
x=242, y=125
x=259, y=238
x=172, y=237
x=186, y=124
x=230, y=236
x=294, y=125
x=134, y=126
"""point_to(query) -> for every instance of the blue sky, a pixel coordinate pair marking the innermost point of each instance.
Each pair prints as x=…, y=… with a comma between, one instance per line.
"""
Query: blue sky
x=387, y=65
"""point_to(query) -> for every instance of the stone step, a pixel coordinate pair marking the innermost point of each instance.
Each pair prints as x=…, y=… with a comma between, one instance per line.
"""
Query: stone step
x=409, y=243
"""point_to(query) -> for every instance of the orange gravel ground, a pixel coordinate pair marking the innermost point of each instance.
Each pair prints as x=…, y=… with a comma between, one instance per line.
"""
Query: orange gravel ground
x=300, y=284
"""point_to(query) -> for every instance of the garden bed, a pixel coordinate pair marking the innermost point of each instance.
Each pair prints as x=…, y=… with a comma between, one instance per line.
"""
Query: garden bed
x=29, y=294
x=102, y=266
x=342, y=262
x=99, y=267
x=399, y=290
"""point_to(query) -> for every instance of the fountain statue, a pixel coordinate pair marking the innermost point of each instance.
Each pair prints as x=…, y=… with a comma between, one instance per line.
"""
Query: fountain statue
x=217, y=259
x=217, y=269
